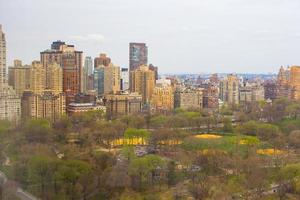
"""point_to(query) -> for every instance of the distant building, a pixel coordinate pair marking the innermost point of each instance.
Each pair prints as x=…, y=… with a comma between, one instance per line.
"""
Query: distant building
x=123, y=104
x=138, y=55
x=10, y=103
x=162, y=99
x=229, y=90
x=155, y=69
x=189, y=98
x=270, y=88
x=70, y=61
x=251, y=93
x=102, y=60
x=124, y=79
x=211, y=97
x=19, y=77
x=45, y=104
x=142, y=81
x=288, y=83
x=76, y=108
x=44, y=97
x=88, y=71
x=107, y=79
x=85, y=98
x=295, y=82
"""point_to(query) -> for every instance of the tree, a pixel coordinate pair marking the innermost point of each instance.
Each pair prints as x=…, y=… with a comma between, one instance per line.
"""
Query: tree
x=248, y=128
x=227, y=125
x=37, y=130
x=40, y=172
x=267, y=131
x=294, y=139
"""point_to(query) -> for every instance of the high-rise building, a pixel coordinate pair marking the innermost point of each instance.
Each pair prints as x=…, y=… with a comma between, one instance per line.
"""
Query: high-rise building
x=19, y=77
x=251, y=92
x=88, y=65
x=44, y=98
x=122, y=104
x=71, y=62
x=107, y=79
x=188, y=98
x=138, y=55
x=87, y=77
x=211, y=97
x=142, y=80
x=288, y=82
x=43, y=105
x=37, y=78
x=155, y=69
x=295, y=82
x=124, y=79
x=2, y=57
x=270, y=88
x=162, y=99
x=10, y=103
x=103, y=59
x=229, y=90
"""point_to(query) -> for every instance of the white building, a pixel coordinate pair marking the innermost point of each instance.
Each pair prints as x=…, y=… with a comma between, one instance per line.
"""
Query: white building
x=10, y=103
x=124, y=79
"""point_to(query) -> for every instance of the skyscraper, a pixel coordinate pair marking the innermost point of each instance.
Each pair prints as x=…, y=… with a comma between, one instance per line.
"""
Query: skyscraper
x=71, y=62
x=10, y=103
x=88, y=65
x=124, y=79
x=45, y=97
x=2, y=56
x=103, y=59
x=229, y=90
x=107, y=79
x=142, y=81
x=138, y=55
x=19, y=77
x=88, y=72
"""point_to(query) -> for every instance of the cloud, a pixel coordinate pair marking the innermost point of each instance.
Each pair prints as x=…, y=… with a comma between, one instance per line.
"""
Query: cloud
x=89, y=38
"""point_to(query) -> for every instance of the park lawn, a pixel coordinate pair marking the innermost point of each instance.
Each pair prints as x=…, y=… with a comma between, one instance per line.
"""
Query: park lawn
x=226, y=143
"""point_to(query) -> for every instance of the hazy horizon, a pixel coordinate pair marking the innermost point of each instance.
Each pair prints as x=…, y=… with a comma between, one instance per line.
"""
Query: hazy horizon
x=195, y=36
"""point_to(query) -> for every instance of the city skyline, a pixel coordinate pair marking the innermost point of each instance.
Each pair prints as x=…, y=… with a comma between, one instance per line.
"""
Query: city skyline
x=215, y=36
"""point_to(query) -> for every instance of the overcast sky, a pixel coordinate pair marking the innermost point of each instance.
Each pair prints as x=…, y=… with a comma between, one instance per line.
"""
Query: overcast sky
x=183, y=36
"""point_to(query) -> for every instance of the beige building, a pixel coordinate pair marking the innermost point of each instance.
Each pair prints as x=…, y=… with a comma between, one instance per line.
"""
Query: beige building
x=122, y=104
x=188, y=98
x=45, y=97
x=107, y=79
x=19, y=77
x=251, y=92
x=43, y=105
x=295, y=82
x=229, y=90
x=142, y=80
x=288, y=82
x=162, y=98
x=10, y=103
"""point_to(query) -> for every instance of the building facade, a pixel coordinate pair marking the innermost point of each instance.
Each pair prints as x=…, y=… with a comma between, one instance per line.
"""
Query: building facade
x=19, y=77
x=102, y=60
x=188, y=98
x=162, y=99
x=138, y=55
x=122, y=104
x=71, y=62
x=142, y=81
x=229, y=90
x=10, y=103
x=124, y=79
x=107, y=79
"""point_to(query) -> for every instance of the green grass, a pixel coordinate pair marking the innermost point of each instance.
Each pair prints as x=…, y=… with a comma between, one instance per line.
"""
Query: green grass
x=228, y=143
